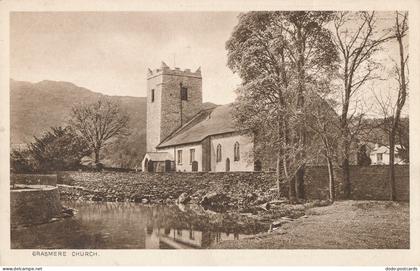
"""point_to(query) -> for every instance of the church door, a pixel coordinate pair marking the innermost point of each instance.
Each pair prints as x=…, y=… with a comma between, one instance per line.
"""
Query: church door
x=227, y=165
x=150, y=166
x=146, y=165
x=194, y=166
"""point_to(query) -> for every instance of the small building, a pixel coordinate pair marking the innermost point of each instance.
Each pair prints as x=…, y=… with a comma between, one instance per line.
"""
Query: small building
x=380, y=155
x=158, y=162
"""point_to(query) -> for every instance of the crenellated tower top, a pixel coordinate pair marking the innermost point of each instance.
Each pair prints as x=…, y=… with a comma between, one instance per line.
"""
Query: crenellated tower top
x=164, y=69
x=174, y=96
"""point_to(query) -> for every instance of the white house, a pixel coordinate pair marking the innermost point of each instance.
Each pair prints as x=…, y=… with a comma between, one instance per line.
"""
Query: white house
x=380, y=155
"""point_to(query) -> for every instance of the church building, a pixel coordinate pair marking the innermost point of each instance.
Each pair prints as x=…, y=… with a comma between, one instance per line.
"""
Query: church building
x=184, y=135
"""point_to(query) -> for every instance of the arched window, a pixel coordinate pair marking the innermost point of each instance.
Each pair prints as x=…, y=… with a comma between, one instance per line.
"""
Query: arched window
x=219, y=153
x=236, y=155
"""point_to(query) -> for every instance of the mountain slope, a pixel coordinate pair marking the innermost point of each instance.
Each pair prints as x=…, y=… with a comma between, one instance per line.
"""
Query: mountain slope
x=35, y=107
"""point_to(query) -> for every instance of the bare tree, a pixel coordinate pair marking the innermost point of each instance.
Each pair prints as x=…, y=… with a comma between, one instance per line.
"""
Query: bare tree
x=99, y=123
x=401, y=30
x=323, y=123
x=390, y=109
x=357, y=47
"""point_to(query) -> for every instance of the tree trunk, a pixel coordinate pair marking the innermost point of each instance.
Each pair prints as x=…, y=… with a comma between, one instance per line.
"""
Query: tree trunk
x=346, y=178
x=345, y=132
x=391, y=165
x=292, y=189
x=402, y=94
x=300, y=182
x=278, y=169
x=331, y=181
x=300, y=173
x=345, y=163
x=97, y=160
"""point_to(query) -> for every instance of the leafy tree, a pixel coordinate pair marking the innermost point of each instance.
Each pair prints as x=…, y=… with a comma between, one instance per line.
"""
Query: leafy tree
x=22, y=161
x=278, y=55
x=58, y=149
x=99, y=123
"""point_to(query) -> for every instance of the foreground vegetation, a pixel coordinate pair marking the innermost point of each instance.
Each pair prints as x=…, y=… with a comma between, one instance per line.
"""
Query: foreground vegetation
x=344, y=225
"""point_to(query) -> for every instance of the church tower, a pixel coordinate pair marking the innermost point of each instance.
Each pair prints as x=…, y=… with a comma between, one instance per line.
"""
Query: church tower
x=174, y=96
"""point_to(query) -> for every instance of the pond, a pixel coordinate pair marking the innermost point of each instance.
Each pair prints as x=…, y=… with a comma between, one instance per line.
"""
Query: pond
x=123, y=225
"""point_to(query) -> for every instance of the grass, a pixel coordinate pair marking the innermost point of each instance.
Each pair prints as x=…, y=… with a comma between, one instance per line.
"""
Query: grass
x=342, y=225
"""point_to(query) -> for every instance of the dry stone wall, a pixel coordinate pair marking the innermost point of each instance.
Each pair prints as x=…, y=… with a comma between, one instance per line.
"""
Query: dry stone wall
x=368, y=183
x=34, y=205
x=44, y=179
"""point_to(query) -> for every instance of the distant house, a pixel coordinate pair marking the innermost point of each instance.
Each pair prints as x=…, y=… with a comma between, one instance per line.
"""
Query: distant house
x=380, y=155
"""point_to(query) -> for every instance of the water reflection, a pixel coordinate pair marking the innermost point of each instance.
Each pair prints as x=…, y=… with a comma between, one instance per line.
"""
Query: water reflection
x=135, y=226
x=181, y=238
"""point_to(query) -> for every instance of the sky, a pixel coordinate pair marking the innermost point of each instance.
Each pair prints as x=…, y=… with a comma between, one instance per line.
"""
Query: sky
x=110, y=52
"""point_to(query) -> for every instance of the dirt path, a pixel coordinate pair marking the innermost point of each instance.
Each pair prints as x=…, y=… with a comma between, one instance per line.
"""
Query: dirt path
x=345, y=225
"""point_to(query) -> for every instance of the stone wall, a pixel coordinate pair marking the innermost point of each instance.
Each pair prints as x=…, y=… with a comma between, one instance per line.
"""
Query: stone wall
x=160, y=187
x=45, y=179
x=372, y=182
x=368, y=183
x=34, y=205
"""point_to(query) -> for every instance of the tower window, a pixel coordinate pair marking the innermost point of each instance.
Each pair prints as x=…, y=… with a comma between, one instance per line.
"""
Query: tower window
x=219, y=153
x=184, y=93
x=153, y=95
x=236, y=156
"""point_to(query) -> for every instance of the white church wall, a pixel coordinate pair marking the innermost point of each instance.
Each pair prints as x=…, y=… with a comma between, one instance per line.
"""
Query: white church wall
x=246, y=146
x=154, y=109
x=186, y=164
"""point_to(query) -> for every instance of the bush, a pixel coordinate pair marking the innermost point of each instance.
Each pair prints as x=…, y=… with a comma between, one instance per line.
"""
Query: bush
x=57, y=150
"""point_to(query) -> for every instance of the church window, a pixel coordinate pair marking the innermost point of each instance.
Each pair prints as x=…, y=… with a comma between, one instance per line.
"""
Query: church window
x=184, y=93
x=236, y=153
x=219, y=153
x=179, y=157
x=192, y=155
x=153, y=95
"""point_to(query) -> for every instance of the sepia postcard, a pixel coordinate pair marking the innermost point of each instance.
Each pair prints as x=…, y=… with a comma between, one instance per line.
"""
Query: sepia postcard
x=209, y=133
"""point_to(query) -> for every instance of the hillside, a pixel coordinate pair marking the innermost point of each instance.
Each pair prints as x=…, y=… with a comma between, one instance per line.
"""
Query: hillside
x=35, y=107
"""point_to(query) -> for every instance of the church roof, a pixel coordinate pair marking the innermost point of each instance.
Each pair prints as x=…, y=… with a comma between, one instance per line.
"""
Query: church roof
x=208, y=122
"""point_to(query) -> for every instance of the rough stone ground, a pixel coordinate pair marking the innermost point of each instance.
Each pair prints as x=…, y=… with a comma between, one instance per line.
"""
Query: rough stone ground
x=342, y=225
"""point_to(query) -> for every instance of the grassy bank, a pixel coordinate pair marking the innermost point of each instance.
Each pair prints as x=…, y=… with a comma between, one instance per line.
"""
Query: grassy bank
x=343, y=225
